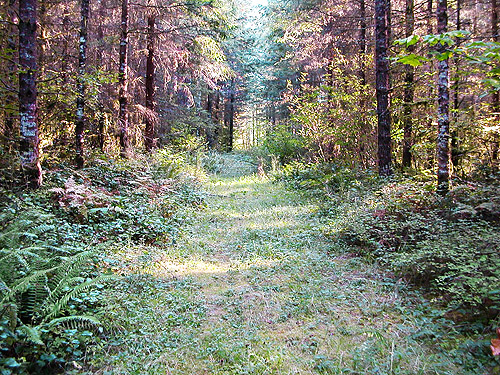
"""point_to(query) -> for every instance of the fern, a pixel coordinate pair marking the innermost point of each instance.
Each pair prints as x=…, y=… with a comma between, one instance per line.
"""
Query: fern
x=70, y=267
x=3, y=287
x=55, y=308
x=46, y=293
x=23, y=284
x=33, y=334
x=76, y=321
x=21, y=257
x=10, y=310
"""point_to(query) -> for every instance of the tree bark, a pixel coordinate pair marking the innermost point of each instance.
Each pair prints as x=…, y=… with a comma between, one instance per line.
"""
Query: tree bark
x=443, y=172
x=123, y=82
x=388, y=17
x=100, y=55
x=408, y=88
x=231, y=115
x=455, y=153
x=150, y=133
x=362, y=41
x=495, y=97
x=382, y=88
x=29, y=133
x=217, y=117
x=210, y=131
x=10, y=98
x=429, y=17
x=80, y=100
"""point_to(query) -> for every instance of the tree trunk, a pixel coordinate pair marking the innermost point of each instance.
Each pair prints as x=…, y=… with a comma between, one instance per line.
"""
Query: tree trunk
x=210, y=131
x=362, y=41
x=216, y=117
x=42, y=37
x=100, y=58
x=495, y=98
x=408, y=89
x=443, y=104
x=123, y=82
x=388, y=17
x=10, y=97
x=29, y=134
x=100, y=128
x=80, y=100
x=382, y=88
x=231, y=115
x=430, y=154
x=455, y=153
x=363, y=123
x=429, y=17
x=150, y=133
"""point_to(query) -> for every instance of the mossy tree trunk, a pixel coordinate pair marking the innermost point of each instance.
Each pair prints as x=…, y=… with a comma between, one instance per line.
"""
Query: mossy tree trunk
x=29, y=141
x=382, y=87
x=443, y=171
x=80, y=100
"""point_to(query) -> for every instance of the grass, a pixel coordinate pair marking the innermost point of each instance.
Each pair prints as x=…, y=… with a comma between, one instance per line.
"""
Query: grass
x=254, y=287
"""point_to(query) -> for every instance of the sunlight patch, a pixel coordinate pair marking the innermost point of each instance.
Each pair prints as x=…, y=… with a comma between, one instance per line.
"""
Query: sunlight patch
x=168, y=268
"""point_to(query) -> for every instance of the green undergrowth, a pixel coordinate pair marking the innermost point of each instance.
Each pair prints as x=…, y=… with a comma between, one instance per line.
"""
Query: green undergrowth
x=447, y=246
x=55, y=266
x=253, y=286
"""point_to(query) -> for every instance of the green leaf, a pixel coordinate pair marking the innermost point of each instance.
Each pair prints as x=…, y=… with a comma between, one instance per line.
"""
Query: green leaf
x=407, y=42
x=444, y=56
x=458, y=33
x=32, y=334
x=11, y=362
x=493, y=82
x=412, y=59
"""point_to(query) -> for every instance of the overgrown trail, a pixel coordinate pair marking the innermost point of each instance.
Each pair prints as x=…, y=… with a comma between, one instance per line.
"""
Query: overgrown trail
x=254, y=287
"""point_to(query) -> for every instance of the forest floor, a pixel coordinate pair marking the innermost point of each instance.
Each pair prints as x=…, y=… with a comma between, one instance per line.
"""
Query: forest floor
x=254, y=287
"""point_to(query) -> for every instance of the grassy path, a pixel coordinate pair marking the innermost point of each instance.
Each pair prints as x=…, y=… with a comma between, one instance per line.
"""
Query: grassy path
x=254, y=287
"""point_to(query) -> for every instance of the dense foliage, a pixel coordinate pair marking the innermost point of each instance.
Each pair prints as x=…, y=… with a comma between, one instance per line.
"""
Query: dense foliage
x=54, y=251
x=448, y=246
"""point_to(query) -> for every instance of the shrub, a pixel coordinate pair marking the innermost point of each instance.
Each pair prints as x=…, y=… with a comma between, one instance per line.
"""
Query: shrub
x=50, y=282
x=284, y=144
x=414, y=232
x=46, y=289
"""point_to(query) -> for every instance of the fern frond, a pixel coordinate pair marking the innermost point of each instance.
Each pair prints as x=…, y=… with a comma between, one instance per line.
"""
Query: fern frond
x=75, y=318
x=63, y=250
x=29, y=251
x=42, y=228
x=21, y=255
x=32, y=334
x=9, y=309
x=27, y=225
x=70, y=267
x=60, y=289
x=23, y=284
x=34, y=297
x=54, y=309
x=4, y=288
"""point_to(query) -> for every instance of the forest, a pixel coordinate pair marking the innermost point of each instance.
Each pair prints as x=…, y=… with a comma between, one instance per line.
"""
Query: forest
x=249, y=187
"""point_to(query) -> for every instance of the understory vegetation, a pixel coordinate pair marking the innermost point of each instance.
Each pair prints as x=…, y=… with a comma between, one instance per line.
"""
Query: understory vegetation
x=54, y=251
x=184, y=262
x=446, y=246
x=236, y=187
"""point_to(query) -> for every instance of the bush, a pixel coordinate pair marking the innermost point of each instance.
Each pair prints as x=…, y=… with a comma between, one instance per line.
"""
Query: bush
x=46, y=289
x=50, y=283
x=284, y=145
x=417, y=234
x=449, y=246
